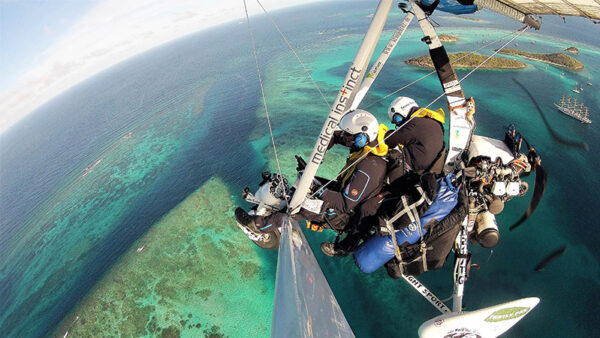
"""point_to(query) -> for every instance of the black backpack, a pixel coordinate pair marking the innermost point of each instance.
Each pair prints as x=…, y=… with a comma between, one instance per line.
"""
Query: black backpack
x=439, y=240
x=396, y=166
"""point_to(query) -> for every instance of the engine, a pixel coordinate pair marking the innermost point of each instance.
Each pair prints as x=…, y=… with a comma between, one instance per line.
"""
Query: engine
x=271, y=194
x=493, y=174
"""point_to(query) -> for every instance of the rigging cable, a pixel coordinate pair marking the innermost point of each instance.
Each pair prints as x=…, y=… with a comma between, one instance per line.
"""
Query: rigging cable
x=433, y=71
x=264, y=99
x=521, y=31
x=296, y=54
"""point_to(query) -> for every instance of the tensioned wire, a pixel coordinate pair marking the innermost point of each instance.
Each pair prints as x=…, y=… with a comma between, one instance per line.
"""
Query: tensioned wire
x=433, y=71
x=520, y=31
x=262, y=91
x=296, y=54
x=390, y=94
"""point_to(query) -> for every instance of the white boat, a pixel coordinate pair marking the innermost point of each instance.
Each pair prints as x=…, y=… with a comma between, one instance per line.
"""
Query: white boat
x=577, y=110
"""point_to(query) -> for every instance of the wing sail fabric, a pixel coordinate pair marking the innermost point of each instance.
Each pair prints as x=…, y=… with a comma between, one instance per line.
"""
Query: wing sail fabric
x=585, y=8
x=304, y=305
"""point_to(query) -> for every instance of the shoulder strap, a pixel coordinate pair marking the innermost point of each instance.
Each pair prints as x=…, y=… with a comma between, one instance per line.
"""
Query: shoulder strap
x=351, y=163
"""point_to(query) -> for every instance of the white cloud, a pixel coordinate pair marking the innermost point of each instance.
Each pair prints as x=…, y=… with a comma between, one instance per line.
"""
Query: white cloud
x=112, y=32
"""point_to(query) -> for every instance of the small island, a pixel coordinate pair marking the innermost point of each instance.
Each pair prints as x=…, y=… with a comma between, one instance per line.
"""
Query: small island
x=572, y=50
x=447, y=38
x=470, y=61
x=556, y=59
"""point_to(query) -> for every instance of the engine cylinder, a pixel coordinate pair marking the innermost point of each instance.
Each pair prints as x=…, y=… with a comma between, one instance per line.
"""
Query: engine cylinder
x=487, y=230
x=273, y=193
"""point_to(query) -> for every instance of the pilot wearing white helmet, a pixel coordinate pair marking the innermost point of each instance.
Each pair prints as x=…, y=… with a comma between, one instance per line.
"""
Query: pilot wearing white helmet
x=361, y=178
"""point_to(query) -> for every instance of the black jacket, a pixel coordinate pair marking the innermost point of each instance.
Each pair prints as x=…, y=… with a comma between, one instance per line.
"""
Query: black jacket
x=366, y=181
x=422, y=138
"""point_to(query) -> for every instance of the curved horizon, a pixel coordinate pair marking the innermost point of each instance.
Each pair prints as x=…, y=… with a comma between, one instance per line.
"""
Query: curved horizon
x=105, y=35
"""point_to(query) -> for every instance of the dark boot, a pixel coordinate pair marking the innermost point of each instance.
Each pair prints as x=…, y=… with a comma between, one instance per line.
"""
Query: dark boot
x=350, y=242
x=246, y=220
x=330, y=250
x=393, y=269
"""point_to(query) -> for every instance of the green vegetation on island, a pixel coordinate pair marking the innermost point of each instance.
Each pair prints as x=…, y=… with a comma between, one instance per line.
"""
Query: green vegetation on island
x=469, y=61
x=572, y=50
x=556, y=59
x=447, y=38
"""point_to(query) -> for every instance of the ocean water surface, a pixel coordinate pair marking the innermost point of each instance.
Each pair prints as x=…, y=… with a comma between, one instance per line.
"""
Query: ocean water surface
x=117, y=197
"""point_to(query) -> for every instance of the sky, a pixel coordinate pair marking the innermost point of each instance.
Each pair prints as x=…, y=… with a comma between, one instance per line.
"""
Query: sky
x=48, y=46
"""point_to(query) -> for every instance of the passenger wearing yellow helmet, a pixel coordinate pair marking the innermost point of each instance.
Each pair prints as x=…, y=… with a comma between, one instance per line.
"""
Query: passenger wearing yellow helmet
x=361, y=178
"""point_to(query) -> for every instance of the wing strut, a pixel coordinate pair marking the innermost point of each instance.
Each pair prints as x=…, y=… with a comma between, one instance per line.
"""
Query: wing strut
x=343, y=102
x=461, y=127
x=378, y=65
x=304, y=303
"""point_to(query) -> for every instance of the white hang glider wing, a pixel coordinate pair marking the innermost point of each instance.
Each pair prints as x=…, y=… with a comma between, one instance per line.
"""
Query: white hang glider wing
x=488, y=322
x=585, y=8
x=304, y=304
x=522, y=10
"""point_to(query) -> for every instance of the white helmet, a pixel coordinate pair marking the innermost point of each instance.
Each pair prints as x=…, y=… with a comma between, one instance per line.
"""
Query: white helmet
x=358, y=122
x=402, y=105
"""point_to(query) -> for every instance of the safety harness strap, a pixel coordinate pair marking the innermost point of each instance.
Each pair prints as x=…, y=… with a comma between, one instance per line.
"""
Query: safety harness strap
x=411, y=210
x=390, y=229
x=407, y=207
x=414, y=219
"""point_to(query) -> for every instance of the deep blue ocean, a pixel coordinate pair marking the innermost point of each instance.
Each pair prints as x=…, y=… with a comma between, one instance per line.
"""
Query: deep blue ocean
x=89, y=173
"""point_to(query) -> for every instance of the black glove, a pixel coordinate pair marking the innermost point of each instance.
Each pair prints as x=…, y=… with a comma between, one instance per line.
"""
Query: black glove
x=301, y=163
x=315, y=185
x=338, y=138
